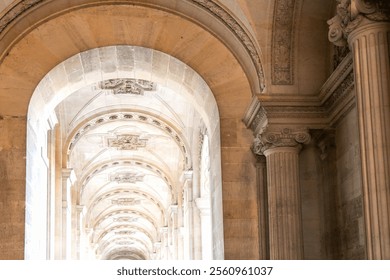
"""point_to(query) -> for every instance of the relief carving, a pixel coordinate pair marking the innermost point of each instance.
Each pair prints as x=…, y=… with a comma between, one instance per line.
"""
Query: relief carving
x=127, y=177
x=127, y=201
x=127, y=142
x=127, y=86
x=283, y=42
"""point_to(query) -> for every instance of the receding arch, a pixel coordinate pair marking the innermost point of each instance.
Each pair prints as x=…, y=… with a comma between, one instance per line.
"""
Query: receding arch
x=229, y=83
x=54, y=91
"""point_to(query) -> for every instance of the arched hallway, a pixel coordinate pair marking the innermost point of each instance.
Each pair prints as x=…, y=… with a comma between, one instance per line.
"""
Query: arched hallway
x=194, y=129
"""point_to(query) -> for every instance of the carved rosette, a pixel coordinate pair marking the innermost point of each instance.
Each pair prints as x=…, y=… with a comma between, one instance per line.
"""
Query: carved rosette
x=285, y=137
x=352, y=13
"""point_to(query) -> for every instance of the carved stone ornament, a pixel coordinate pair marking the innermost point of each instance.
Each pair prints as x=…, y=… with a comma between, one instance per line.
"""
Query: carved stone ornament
x=283, y=43
x=127, y=86
x=126, y=201
x=125, y=220
x=351, y=13
x=285, y=137
x=127, y=177
x=125, y=232
x=127, y=142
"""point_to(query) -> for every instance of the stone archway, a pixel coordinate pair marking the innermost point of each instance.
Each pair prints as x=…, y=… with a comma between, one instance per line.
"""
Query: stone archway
x=58, y=39
x=126, y=137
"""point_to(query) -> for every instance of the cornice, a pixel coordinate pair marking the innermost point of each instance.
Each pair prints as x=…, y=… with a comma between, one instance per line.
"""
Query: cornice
x=334, y=100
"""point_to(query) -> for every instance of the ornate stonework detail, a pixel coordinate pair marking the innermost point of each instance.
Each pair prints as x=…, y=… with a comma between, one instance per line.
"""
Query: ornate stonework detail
x=208, y=5
x=283, y=43
x=16, y=11
x=341, y=91
x=125, y=220
x=340, y=52
x=125, y=232
x=351, y=13
x=127, y=86
x=126, y=201
x=241, y=34
x=125, y=243
x=127, y=142
x=285, y=137
x=260, y=121
x=127, y=177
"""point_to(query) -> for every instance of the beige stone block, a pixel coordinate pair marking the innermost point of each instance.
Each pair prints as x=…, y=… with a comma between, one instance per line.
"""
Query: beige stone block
x=239, y=209
x=228, y=132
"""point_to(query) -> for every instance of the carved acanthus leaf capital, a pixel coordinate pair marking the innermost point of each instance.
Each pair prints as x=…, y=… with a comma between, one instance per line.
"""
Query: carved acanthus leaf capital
x=351, y=13
x=285, y=137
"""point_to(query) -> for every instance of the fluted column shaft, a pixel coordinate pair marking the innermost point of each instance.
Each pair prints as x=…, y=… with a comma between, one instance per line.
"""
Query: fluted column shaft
x=281, y=148
x=370, y=46
x=284, y=204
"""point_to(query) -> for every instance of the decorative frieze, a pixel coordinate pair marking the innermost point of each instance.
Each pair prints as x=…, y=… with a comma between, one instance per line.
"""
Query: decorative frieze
x=127, y=86
x=351, y=14
x=283, y=43
x=127, y=142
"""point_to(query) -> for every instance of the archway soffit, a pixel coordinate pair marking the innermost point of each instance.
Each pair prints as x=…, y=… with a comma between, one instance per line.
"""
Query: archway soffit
x=210, y=6
x=131, y=115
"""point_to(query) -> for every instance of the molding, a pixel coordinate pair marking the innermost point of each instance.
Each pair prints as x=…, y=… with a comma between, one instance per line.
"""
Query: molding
x=335, y=99
x=210, y=6
x=251, y=111
x=240, y=33
x=16, y=11
x=282, y=54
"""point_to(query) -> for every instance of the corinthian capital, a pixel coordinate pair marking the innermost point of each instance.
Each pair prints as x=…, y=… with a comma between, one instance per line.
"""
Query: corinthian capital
x=285, y=137
x=352, y=13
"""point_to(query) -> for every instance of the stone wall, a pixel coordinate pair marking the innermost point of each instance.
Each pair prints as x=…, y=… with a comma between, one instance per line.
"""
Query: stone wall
x=350, y=188
x=12, y=186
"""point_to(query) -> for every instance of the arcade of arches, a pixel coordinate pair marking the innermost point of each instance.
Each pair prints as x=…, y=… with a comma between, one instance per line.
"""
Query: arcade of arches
x=194, y=129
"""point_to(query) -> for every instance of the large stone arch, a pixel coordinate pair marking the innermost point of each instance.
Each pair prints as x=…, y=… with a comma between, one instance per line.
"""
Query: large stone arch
x=33, y=54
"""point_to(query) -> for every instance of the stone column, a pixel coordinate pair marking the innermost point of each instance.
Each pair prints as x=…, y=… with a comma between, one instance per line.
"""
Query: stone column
x=281, y=148
x=175, y=234
x=188, y=215
x=164, y=243
x=261, y=178
x=68, y=179
x=203, y=205
x=365, y=26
